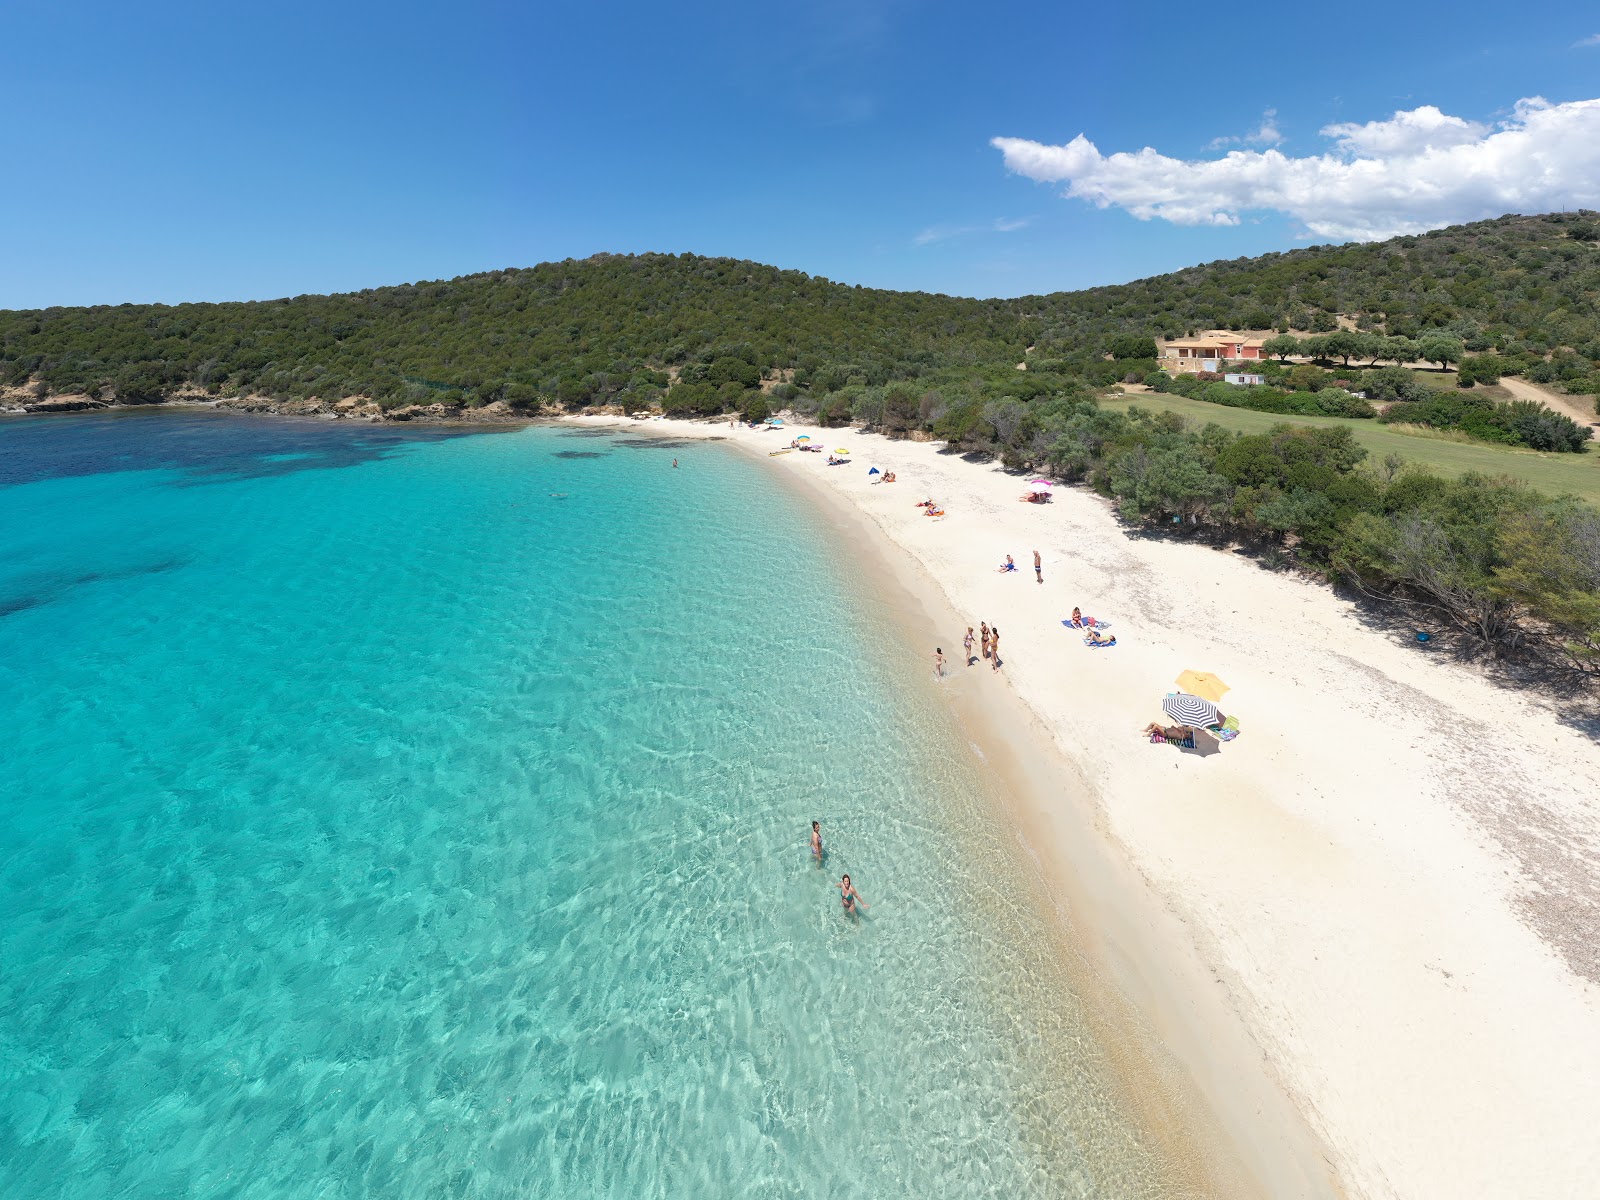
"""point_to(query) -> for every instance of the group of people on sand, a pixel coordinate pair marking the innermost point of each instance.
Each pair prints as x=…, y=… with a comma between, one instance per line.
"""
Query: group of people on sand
x=1091, y=633
x=987, y=640
x=848, y=896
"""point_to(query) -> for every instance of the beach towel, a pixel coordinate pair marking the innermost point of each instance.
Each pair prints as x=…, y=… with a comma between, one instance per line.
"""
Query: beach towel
x=1086, y=623
x=1161, y=739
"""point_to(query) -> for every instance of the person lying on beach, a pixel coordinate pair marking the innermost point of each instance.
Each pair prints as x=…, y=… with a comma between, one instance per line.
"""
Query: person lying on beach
x=928, y=503
x=1168, y=733
x=1096, y=638
x=1008, y=565
x=933, y=511
x=849, y=897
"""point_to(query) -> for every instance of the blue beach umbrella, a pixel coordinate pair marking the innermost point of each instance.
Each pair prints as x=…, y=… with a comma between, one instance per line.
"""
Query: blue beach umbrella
x=873, y=471
x=1191, y=710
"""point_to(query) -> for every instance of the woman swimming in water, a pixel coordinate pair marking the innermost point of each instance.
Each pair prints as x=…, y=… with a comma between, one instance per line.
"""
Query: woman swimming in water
x=849, y=897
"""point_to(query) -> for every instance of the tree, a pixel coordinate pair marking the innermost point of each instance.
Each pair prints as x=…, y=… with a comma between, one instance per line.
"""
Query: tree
x=1399, y=350
x=902, y=408
x=1133, y=346
x=1342, y=344
x=1440, y=348
x=1282, y=346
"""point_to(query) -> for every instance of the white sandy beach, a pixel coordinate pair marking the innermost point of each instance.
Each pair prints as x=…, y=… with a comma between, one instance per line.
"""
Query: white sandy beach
x=1390, y=880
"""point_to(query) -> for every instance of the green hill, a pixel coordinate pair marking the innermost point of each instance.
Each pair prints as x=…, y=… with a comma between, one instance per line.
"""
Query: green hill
x=1513, y=283
x=611, y=327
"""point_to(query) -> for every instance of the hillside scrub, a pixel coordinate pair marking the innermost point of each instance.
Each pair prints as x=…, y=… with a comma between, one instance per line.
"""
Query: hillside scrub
x=1512, y=423
x=1492, y=559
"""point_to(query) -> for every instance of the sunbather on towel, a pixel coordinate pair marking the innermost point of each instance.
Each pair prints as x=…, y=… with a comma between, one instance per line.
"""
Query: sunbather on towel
x=1096, y=638
x=1168, y=733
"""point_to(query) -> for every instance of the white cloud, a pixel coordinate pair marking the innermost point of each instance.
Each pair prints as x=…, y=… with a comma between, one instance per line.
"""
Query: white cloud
x=1418, y=170
x=1412, y=132
x=942, y=233
x=1592, y=40
x=1265, y=134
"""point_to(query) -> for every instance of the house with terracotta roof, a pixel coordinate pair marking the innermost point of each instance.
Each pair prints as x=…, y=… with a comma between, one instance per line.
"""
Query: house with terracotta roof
x=1210, y=352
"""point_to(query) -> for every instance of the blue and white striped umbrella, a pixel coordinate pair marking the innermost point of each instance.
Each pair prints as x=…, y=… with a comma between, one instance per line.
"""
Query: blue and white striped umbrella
x=1191, y=710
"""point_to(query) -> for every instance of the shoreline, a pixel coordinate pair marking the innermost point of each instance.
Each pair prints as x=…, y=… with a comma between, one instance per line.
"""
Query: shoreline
x=1369, y=949
x=1141, y=990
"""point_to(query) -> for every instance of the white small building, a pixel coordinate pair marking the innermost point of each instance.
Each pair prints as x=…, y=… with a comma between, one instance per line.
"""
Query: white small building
x=1242, y=379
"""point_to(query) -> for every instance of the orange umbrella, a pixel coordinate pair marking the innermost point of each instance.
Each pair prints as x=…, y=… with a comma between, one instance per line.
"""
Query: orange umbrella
x=1203, y=684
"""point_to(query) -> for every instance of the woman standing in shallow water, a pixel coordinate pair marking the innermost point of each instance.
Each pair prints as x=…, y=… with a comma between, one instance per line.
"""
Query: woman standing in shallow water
x=849, y=897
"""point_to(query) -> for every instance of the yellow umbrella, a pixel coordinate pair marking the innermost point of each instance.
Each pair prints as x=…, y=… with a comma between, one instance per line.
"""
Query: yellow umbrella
x=1203, y=684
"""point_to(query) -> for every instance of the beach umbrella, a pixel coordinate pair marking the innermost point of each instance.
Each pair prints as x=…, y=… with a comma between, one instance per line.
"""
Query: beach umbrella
x=804, y=437
x=1043, y=485
x=775, y=421
x=1191, y=710
x=841, y=450
x=1203, y=684
x=873, y=471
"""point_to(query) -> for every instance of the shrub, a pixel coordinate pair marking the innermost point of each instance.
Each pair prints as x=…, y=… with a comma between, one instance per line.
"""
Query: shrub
x=753, y=406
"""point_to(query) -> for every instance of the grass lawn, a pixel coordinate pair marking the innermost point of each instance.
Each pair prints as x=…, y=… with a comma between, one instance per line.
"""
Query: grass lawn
x=1554, y=474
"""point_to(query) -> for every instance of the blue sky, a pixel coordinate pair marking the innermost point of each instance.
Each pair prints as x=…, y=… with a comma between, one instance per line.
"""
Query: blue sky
x=208, y=151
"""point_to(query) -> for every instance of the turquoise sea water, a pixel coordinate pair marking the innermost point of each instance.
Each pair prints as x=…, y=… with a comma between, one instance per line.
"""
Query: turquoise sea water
x=409, y=814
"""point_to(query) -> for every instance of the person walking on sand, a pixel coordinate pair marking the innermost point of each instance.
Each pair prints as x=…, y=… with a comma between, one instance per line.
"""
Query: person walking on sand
x=994, y=648
x=849, y=897
x=816, y=841
x=967, y=642
x=938, y=662
x=1038, y=567
x=984, y=626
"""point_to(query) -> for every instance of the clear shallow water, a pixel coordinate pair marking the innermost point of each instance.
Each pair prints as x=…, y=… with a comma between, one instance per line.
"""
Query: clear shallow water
x=377, y=823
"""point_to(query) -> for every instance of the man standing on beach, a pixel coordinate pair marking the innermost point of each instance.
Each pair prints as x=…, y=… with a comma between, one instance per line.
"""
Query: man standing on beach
x=1038, y=567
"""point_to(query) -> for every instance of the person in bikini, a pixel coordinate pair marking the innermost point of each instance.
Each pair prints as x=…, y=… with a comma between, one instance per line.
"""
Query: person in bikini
x=816, y=840
x=849, y=897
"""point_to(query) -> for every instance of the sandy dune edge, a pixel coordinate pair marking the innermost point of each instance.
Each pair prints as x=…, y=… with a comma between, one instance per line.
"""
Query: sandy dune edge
x=1393, y=874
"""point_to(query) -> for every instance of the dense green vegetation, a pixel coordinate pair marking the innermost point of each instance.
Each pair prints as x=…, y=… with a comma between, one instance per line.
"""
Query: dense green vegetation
x=1446, y=453
x=1520, y=295
x=1489, y=557
x=1515, y=286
